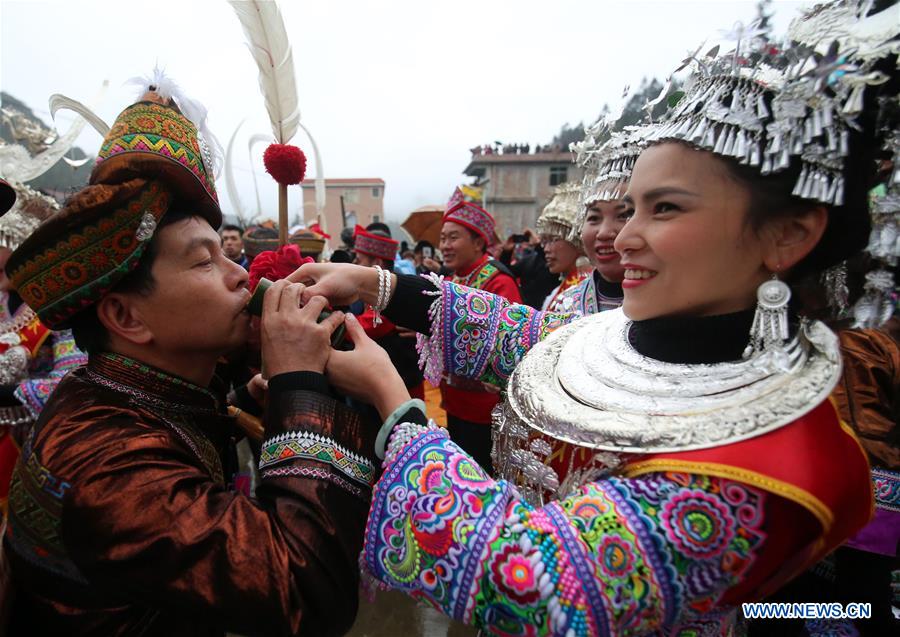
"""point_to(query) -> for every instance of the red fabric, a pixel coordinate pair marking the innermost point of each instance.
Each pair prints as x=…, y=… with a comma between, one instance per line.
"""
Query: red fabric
x=505, y=286
x=367, y=320
x=793, y=455
x=278, y=264
x=318, y=230
x=374, y=245
x=476, y=406
x=418, y=391
x=9, y=453
x=475, y=266
x=286, y=164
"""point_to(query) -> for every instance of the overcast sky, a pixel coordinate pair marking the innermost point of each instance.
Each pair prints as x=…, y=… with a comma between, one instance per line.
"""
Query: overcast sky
x=397, y=89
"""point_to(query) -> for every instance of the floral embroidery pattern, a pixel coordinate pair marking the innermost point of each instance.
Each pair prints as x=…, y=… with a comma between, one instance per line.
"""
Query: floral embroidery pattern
x=484, y=336
x=623, y=557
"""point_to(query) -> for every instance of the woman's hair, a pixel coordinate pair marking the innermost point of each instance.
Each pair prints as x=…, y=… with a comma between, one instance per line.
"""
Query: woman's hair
x=847, y=232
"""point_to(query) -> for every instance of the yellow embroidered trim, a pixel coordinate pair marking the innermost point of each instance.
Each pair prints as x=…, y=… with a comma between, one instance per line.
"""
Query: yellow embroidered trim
x=778, y=487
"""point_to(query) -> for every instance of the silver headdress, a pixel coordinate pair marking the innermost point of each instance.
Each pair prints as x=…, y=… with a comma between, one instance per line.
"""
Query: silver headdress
x=775, y=107
x=561, y=218
x=27, y=213
x=607, y=158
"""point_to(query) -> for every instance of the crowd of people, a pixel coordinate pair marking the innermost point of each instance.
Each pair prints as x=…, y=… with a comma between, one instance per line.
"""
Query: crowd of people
x=658, y=409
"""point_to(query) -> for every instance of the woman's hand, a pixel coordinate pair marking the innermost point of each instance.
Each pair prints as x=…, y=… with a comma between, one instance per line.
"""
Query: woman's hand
x=340, y=283
x=366, y=373
x=292, y=339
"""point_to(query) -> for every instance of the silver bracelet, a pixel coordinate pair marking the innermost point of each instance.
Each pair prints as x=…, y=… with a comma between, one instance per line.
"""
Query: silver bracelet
x=384, y=286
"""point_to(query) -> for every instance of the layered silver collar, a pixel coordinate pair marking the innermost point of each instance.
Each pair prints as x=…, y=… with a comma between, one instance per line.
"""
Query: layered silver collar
x=587, y=385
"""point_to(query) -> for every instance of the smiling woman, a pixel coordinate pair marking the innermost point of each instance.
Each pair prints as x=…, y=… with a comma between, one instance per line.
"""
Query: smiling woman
x=665, y=469
x=689, y=248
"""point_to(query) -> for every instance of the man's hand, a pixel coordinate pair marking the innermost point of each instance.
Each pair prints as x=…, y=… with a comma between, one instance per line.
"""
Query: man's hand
x=431, y=264
x=292, y=340
x=366, y=373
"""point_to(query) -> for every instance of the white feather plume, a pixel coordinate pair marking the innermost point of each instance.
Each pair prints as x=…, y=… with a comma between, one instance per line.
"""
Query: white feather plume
x=230, y=184
x=269, y=45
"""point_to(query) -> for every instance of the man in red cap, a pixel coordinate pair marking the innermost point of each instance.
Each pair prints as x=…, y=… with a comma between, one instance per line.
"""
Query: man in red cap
x=375, y=248
x=467, y=233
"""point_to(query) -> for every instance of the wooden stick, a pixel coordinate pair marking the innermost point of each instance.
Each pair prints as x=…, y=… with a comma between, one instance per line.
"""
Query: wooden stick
x=282, y=215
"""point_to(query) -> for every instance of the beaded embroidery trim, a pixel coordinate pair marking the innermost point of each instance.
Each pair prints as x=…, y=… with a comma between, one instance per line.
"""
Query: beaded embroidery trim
x=305, y=445
x=317, y=474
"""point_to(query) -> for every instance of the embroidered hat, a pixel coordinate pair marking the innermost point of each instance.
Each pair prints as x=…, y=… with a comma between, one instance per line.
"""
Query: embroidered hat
x=374, y=245
x=150, y=158
x=152, y=139
x=562, y=218
x=74, y=259
x=473, y=217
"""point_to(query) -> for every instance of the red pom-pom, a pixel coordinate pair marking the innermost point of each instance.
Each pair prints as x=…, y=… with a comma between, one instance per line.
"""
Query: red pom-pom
x=286, y=164
x=276, y=264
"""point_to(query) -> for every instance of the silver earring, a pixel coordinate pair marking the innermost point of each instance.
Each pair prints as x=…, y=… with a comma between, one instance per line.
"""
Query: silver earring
x=770, y=328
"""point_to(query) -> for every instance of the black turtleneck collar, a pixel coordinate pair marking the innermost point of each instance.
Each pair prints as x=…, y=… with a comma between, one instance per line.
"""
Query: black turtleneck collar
x=693, y=339
x=607, y=288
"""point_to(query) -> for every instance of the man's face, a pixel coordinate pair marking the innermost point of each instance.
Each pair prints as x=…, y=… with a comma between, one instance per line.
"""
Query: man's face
x=198, y=305
x=460, y=248
x=232, y=244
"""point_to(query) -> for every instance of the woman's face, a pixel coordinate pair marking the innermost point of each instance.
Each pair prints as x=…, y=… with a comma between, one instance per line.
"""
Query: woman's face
x=687, y=249
x=603, y=221
x=560, y=254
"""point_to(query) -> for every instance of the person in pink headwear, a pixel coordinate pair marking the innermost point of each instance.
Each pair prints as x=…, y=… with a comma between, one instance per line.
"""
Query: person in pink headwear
x=467, y=233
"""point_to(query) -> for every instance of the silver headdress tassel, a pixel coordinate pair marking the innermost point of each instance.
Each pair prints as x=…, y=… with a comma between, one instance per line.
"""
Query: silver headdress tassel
x=852, y=43
x=777, y=106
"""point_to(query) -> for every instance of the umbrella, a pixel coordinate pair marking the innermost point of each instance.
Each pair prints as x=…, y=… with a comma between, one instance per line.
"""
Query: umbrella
x=425, y=224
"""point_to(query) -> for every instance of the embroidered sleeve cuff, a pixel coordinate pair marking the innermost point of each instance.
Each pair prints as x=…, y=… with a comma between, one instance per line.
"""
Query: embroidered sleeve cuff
x=311, y=435
x=279, y=456
x=410, y=304
x=412, y=411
